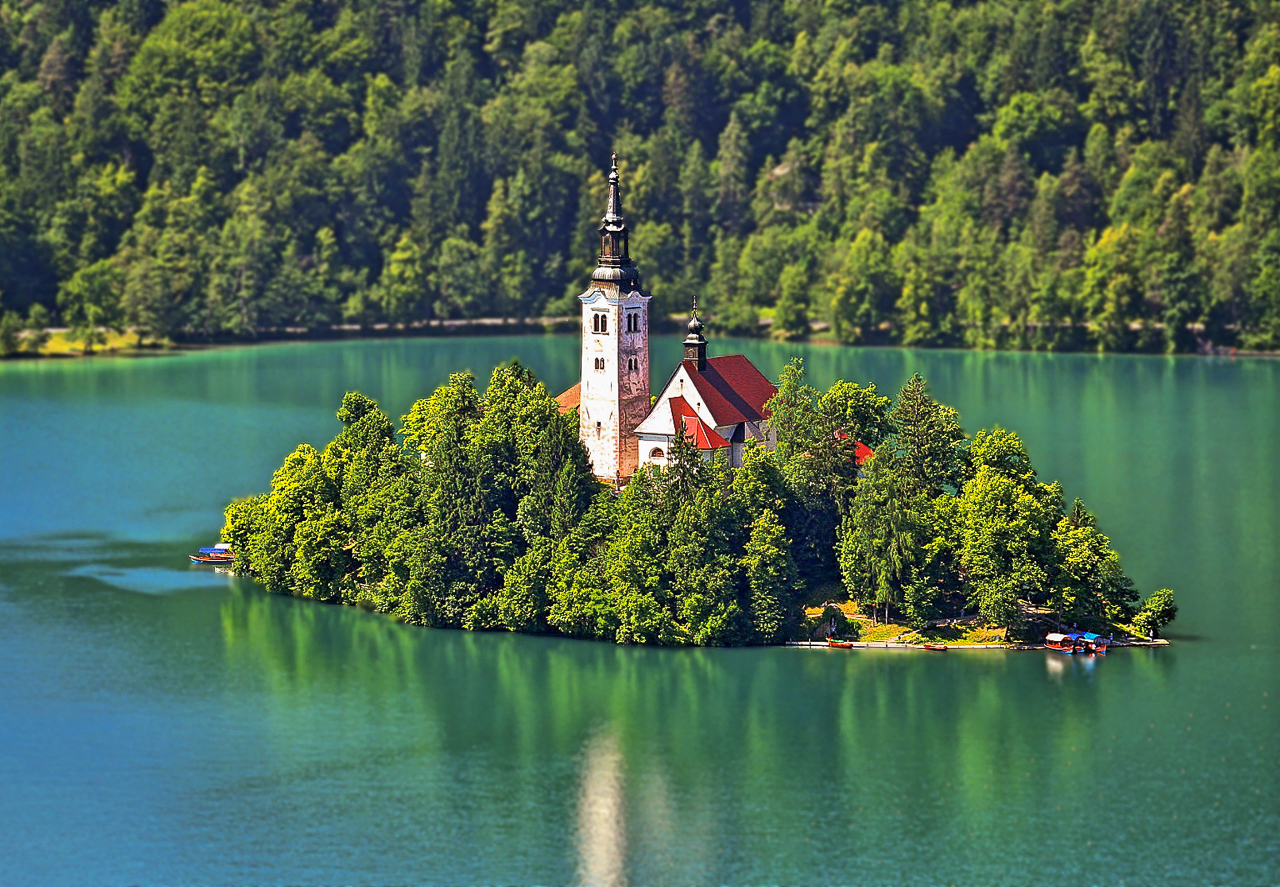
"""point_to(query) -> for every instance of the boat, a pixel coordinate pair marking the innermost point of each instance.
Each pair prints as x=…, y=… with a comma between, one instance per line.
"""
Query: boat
x=218, y=554
x=1063, y=643
x=840, y=644
x=1094, y=643
x=939, y=647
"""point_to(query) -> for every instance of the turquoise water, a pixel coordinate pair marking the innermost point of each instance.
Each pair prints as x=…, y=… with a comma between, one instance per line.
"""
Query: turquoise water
x=164, y=724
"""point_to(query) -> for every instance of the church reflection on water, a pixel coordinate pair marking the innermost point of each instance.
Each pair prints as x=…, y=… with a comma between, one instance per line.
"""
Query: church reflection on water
x=602, y=827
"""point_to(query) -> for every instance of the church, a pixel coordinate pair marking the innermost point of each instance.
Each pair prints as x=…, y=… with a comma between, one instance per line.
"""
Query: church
x=717, y=403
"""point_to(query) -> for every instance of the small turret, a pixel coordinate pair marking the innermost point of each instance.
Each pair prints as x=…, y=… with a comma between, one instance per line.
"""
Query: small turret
x=695, y=346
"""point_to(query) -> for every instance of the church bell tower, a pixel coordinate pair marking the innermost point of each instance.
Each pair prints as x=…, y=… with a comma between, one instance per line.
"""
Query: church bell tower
x=614, y=394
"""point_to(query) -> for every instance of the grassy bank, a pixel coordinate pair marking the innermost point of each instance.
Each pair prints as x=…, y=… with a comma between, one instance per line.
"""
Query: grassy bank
x=956, y=633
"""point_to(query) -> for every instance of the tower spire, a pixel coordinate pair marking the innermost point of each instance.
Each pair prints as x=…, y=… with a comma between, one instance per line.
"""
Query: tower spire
x=615, y=264
x=613, y=212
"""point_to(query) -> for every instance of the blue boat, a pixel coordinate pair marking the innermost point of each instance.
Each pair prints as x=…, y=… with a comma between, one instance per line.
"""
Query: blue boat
x=218, y=554
x=1094, y=643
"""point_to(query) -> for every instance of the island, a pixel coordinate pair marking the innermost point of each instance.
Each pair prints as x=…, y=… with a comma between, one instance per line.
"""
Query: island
x=724, y=510
x=481, y=512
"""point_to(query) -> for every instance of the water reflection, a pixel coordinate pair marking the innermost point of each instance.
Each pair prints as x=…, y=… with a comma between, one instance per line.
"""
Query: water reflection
x=602, y=828
x=1059, y=665
x=214, y=720
x=1056, y=666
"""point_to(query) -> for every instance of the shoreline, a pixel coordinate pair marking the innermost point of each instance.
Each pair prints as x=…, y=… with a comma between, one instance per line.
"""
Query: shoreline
x=533, y=326
x=897, y=645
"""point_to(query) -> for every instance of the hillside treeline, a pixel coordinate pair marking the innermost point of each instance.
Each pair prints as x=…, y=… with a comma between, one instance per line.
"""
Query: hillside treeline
x=1012, y=173
x=481, y=512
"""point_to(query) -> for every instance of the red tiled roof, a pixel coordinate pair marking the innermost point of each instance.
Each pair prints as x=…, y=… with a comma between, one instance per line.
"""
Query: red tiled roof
x=570, y=399
x=697, y=432
x=861, y=452
x=732, y=388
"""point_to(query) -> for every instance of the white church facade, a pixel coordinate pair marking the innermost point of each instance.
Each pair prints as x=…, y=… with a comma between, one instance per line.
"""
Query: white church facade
x=717, y=403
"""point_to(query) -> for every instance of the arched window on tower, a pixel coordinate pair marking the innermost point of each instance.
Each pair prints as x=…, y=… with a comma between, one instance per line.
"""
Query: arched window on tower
x=604, y=323
x=633, y=364
x=656, y=453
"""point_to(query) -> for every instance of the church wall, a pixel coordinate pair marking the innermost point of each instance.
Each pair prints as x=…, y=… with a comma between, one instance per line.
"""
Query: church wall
x=615, y=380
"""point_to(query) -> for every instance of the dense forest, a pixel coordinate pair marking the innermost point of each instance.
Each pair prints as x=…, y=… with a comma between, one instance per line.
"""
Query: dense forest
x=481, y=512
x=1011, y=173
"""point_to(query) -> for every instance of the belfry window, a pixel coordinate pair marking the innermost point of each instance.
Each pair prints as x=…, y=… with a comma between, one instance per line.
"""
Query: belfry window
x=599, y=323
x=633, y=323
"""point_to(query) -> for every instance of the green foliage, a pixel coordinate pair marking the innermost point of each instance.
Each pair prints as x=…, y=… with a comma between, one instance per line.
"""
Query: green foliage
x=927, y=435
x=10, y=332
x=1156, y=612
x=882, y=538
x=90, y=303
x=1089, y=580
x=37, y=328
x=864, y=290
x=1003, y=520
x=771, y=577
x=920, y=175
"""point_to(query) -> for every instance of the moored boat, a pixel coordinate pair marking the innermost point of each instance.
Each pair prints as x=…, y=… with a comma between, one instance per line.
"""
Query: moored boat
x=842, y=644
x=218, y=554
x=1063, y=643
x=938, y=647
x=1093, y=643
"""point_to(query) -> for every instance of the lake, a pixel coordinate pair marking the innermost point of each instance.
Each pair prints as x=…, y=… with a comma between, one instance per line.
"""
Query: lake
x=163, y=724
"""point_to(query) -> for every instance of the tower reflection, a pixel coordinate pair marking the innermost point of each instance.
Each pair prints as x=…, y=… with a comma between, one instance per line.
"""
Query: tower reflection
x=602, y=834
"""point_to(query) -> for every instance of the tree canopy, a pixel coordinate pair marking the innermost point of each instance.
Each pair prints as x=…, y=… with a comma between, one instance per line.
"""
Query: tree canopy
x=1010, y=173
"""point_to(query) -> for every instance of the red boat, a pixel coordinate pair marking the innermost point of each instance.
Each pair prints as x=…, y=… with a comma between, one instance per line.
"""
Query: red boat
x=939, y=647
x=841, y=644
x=1064, y=643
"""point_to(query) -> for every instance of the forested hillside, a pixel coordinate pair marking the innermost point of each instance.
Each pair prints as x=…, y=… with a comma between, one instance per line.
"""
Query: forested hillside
x=1014, y=173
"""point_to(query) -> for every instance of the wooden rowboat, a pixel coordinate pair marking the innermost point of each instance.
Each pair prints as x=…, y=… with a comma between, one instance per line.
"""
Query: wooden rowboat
x=841, y=644
x=939, y=647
